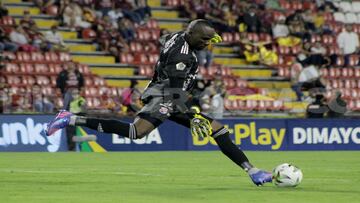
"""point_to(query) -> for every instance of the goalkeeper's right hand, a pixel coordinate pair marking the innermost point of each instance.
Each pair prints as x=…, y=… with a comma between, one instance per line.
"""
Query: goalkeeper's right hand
x=199, y=125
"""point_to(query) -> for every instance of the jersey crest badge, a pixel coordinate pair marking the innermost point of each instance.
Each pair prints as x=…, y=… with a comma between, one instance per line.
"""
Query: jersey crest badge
x=180, y=66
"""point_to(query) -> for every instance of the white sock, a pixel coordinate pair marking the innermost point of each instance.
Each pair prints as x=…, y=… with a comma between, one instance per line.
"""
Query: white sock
x=72, y=120
x=253, y=170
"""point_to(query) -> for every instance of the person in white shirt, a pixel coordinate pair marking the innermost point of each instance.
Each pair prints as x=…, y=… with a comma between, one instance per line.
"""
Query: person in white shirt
x=115, y=15
x=280, y=29
x=55, y=39
x=348, y=41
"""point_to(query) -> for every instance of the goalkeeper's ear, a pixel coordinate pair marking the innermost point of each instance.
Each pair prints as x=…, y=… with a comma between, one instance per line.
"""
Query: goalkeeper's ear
x=216, y=39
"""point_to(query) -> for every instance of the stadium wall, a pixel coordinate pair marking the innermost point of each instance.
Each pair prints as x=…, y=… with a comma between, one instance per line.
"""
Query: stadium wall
x=23, y=133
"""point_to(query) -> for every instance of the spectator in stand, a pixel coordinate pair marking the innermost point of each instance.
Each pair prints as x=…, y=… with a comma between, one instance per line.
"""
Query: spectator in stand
x=326, y=5
x=38, y=40
x=205, y=56
x=43, y=4
x=128, y=8
x=318, y=55
x=73, y=17
x=337, y=106
x=40, y=102
x=131, y=98
x=217, y=100
x=77, y=107
x=103, y=7
x=115, y=15
x=140, y=7
x=26, y=22
x=272, y=4
x=55, y=40
x=127, y=29
x=186, y=10
x=3, y=10
x=318, y=108
x=348, y=42
x=67, y=80
x=252, y=20
x=119, y=45
x=22, y=39
x=5, y=42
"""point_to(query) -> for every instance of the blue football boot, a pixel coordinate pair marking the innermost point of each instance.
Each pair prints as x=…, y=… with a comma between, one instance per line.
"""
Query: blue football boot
x=260, y=177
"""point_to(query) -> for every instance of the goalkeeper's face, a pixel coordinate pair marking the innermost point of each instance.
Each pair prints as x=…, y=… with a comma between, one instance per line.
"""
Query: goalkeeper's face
x=201, y=39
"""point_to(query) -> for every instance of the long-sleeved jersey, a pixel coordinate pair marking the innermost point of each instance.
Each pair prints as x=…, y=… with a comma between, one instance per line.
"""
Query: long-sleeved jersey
x=177, y=64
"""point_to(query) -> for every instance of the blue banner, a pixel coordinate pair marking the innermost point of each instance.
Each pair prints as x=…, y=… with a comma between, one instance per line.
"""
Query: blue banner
x=23, y=133
x=248, y=134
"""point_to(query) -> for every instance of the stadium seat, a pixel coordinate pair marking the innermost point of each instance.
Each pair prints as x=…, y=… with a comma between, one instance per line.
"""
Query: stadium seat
x=328, y=39
x=84, y=69
x=37, y=57
x=143, y=34
x=345, y=6
x=8, y=21
x=339, y=17
x=11, y=68
x=308, y=5
x=355, y=7
x=51, y=57
x=136, y=47
x=315, y=38
x=88, y=33
x=26, y=68
x=42, y=80
x=351, y=18
x=126, y=58
x=227, y=37
x=336, y=27
x=334, y=72
x=254, y=37
x=64, y=56
x=23, y=56
x=283, y=50
x=13, y=80
x=229, y=83
x=353, y=60
x=27, y=80
x=296, y=5
x=296, y=50
x=324, y=72
x=333, y=49
x=10, y=55
x=55, y=68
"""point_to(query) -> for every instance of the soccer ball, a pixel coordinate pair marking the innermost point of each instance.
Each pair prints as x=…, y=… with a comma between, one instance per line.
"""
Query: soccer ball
x=287, y=175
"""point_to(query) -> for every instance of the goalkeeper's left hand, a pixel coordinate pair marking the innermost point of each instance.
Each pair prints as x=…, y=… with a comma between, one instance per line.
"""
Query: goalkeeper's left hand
x=199, y=125
x=216, y=39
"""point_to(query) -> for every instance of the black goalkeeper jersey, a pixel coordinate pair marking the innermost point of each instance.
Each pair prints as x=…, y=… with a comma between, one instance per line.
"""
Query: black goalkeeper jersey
x=177, y=65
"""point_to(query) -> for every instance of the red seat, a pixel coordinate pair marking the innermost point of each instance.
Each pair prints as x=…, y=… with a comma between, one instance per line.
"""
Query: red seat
x=55, y=68
x=84, y=69
x=28, y=80
x=23, y=56
x=51, y=57
x=37, y=57
x=324, y=72
x=334, y=72
x=285, y=5
x=296, y=50
x=26, y=68
x=42, y=80
x=64, y=56
x=264, y=37
x=353, y=60
x=315, y=38
x=328, y=39
x=229, y=83
x=46, y=90
x=136, y=47
x=152, y=24
x=307, y=5
x=126, y=58
x=99, y=81
x=252, y=37
x=227, y=37
x=11, y=68
x=8, y=21
x=9, y=55
x=88, y=33
x=334, y=49
x=143, y=34
x=13, y=80
x=282, y=50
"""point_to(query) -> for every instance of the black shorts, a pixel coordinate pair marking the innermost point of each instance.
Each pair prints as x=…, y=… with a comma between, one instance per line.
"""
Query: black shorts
x=156, y=112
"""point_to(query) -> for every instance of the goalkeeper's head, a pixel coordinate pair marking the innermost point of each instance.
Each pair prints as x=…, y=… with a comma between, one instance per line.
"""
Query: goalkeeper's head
x=200, y=33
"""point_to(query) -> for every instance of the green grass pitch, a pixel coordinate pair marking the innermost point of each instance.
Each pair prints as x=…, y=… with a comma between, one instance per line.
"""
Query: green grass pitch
x=172, y=177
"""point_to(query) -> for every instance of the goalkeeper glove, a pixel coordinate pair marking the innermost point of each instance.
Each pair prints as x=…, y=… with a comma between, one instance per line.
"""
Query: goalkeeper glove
x=216, y=39
x=199, y=125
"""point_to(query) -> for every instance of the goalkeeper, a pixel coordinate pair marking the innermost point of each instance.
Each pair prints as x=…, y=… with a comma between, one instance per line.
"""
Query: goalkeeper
x=166, y=97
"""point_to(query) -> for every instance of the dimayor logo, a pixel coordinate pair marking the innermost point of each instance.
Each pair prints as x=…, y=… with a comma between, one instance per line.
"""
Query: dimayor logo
x=28, y=134
x=326, y=135
x=257, y=136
